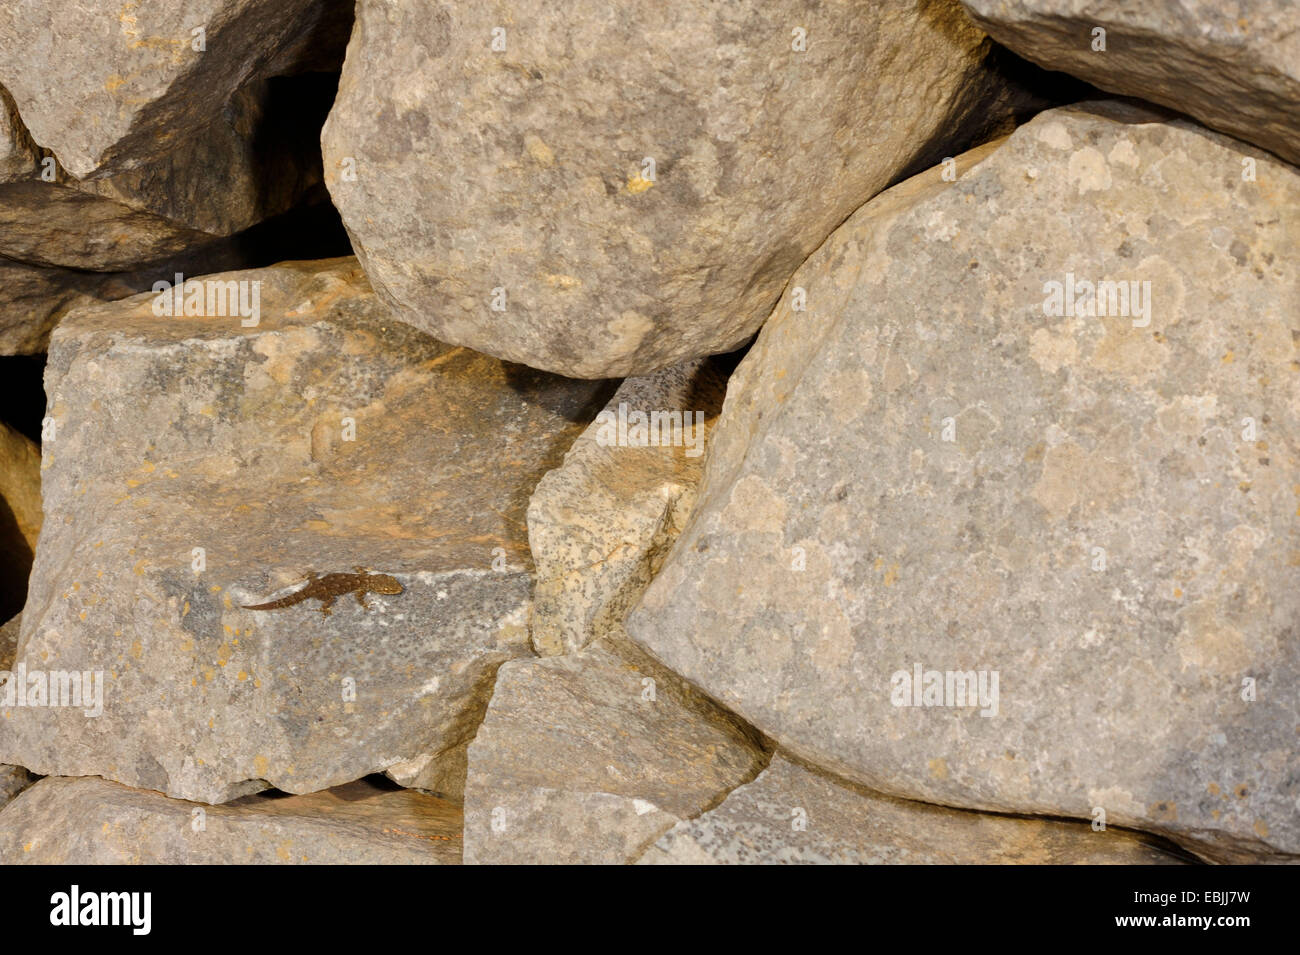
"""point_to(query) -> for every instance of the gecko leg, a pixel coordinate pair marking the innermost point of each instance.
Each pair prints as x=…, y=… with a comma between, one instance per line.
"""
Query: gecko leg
x=361, y=598
x=326, y=605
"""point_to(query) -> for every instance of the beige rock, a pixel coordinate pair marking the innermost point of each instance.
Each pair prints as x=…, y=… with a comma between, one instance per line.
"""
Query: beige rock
x=936, y=467
x=793, y=814
x=91, y=821
x=203, y=465
x=629, y=186
x=601, y=523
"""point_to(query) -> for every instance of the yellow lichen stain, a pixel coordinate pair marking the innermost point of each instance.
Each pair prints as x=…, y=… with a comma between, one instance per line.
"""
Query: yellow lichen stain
x=137, y=649
x=1242, y=791
x=185, y=609
x=1164, y=811
x=140, y=565
x=241, y=676
x=939, y=769
x=1227, y=358
x=260, y=765
x=1213, y=789
x=215, y=588
x=1178, y=594
x=637, y=185
x=1261, y=828
x=563, y=282
x=539, y=150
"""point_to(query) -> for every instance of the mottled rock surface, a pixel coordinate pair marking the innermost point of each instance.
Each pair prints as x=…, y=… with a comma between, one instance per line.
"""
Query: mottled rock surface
x=931, y=468
x=590, y=757
x=503, y=200
x=13, y=780
x=110, y=89
x=792, y=814
x=601, y=523
x=1234, y=66
x=201, y=466
x=91, y=821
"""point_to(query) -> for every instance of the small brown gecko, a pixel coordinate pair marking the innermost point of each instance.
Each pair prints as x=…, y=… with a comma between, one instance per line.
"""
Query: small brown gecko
x=332, y=586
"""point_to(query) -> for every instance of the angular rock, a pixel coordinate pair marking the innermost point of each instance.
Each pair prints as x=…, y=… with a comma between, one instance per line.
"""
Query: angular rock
x=576, y=763
x=936, y=468
x=20, y=516
x=256, y=159
x=505, y=200
x=13, y=780
x=110, y=92
x=200, y=466
x=792, y=814
x=601, y=523
x=1235, y=67
x=91, y=821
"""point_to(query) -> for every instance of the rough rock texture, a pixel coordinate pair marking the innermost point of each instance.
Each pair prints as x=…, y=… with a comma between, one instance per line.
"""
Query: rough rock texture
x=465, y=173
x=9, y=641
x=256, y=159
x=112, y=89
x=13, y=780
x=325, y=438
x=930, y=469
x=1234, y=66
x=20, y=516
x=574, y=763
x=600, y=524
x=793, y=814
x=91, y=821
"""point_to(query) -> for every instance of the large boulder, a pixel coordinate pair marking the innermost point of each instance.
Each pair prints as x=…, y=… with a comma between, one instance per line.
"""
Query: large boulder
x=628, y=186
x=968, y=475
x=205, y=463
x=91, y=821
x=794, y=815
x=1234, y=66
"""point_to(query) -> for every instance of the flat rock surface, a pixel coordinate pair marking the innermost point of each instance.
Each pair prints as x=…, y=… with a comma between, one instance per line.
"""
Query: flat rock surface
x=937, y=470
x=503, y=200
x=794, y=815
x=91, y=821
x=590, y=757
x=201, y=466
x=1234, y=66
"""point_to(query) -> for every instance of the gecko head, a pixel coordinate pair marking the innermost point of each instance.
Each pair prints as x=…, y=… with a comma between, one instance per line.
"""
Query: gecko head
x=384, y=584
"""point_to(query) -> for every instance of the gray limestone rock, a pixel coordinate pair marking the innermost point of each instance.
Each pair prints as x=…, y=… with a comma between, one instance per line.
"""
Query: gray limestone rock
x=203, y=463
x=1234, y=66
x=601, y=523
x=91, y=821
x=115, y=87
x=590, y=757
x=793, y=814
x=941, y=475
x=628, y=186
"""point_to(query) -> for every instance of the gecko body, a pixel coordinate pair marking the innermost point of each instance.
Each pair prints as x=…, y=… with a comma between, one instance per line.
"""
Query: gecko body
x=330, y=587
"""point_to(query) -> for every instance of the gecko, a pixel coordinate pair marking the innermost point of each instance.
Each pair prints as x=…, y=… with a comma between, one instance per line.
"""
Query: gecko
x=332, y=586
